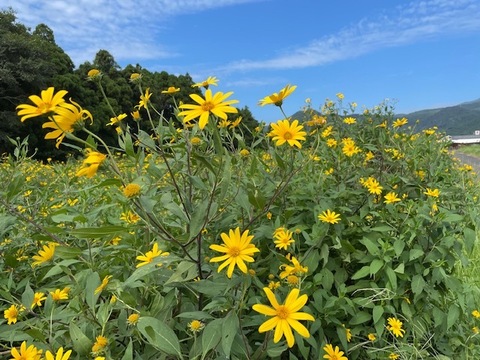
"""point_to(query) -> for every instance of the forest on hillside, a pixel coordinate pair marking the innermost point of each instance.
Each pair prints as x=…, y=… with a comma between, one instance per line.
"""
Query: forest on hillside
x=31, y=61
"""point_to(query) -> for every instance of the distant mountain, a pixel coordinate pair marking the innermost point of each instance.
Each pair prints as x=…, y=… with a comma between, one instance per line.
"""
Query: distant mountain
x=461, y=119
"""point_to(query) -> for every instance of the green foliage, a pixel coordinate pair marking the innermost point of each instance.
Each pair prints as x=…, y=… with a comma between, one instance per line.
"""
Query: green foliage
x=183, y=190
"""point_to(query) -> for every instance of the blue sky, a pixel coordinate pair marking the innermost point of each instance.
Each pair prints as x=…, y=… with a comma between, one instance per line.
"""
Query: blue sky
x=419, y=54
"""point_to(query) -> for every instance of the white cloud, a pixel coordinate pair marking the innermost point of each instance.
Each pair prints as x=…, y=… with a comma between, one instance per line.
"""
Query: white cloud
x=123, y=27
x=414, y=22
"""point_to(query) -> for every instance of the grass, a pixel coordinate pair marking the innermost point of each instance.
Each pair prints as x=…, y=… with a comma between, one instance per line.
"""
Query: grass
x=473, y=150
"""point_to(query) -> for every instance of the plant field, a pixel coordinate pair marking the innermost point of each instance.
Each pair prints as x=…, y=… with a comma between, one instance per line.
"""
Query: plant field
x=335, y=238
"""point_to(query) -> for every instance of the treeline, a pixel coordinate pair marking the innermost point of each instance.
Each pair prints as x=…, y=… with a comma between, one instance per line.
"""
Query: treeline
x=31, y=61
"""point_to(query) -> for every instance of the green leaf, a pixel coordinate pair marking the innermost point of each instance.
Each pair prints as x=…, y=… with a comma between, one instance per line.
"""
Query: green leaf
x=418, y=284
x=230, y=327
x=398, y=246
x=377, y=313
x=364, y=271
x=371, y=246
x=211, y=336
x=453, y=315
x=360, y=318
x=81, y=343
x=392, y=278
x=415, y=253
x=140, y=273
x=128, y=354
x=97, y=232
x=159, y=335
x=184, y=271
x=198, y=218
x=375, y=266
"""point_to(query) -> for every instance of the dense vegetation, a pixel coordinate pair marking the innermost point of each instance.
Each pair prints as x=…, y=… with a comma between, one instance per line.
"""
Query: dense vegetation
x=332, y=238
x=31, y=61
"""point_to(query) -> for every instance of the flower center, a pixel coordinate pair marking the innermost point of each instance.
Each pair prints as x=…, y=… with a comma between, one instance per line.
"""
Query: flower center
x=282, y=312
x=234, y=251
x=207, y=106
x=288, y=135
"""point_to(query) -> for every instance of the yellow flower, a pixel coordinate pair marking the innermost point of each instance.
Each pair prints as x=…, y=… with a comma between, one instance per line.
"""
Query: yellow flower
x=93, y=74
x=44, y=104
x=26, y=353
x=391, y=198
x=284, y=131
x=236, y=122
x=475, y=330
x=136, y=115
x=293, y=280
x=58, y=294
x=44, y=255
x=340, y=96
x=327, y=132
x=395, y=327
x=91, y=163
x=369, y=156
x=244, y=152
x=195, y=141
x=273, y=285
x=104, y=283
x=348, y=334
x=331, y=142
x=349, y=148
x=372, y=185
x=144, y=99
x=329, y=216
x=372, y=337
x=117, y=119
x=224, y=123
x=38, y=297
x=212, y=104
x=350, y=120
x=283, y=239
x=133, y=318
x=295, y=269
x=284, y=317
x=135, y=77
x=333, y=354
x=400, y=122
x=277, y=99
x=131, y=190
x=171, y=90
x=476, y=314
x=59, y=355
x=100, y=343
x=99, y=358
x=66, y=118
x=150, y=255
x=196, y=325
x=11, y=314
x=211, y=80
x=393, y=356
x=238, y=250
x=432, y=192
x=130, y=217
